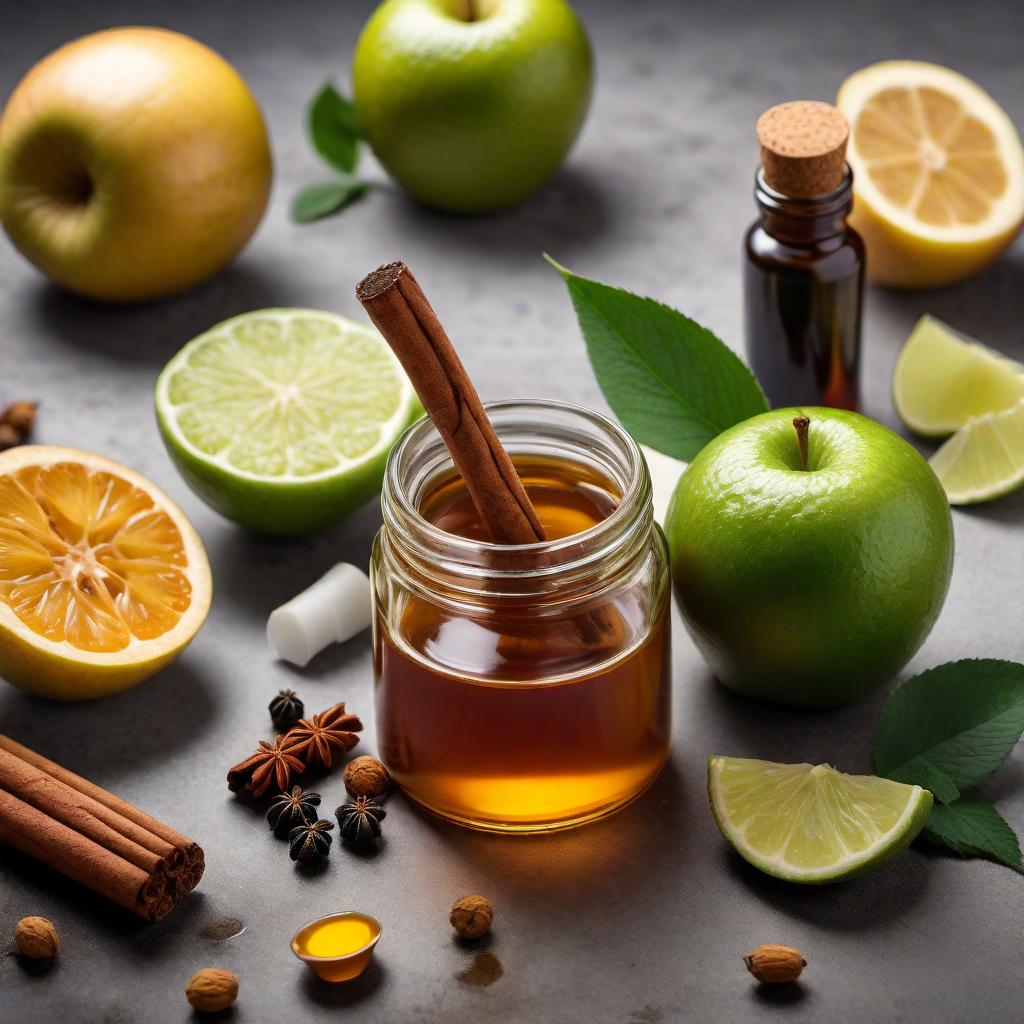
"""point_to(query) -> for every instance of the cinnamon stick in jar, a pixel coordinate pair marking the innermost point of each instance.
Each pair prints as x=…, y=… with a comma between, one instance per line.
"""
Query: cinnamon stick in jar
x=399, y=309
x=401, y=312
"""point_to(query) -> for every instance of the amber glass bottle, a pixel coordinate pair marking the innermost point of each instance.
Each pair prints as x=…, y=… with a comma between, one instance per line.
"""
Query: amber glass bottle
x=804, y=265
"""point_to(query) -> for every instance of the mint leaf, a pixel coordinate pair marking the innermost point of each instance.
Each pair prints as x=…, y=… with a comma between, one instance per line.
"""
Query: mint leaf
x=972, y=827
x=335, y=129
x=952, y=726
x=322, y=200
x=670, y=381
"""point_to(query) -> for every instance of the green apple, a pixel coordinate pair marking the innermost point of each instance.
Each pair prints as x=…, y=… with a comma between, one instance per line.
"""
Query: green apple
x=472, y=104
x=809, y=576
x=133, y=163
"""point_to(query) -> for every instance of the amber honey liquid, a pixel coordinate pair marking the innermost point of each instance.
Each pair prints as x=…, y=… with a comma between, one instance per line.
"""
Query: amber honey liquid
x=506, y=720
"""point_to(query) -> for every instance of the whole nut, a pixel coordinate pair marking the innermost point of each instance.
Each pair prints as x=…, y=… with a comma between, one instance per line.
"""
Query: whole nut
x=21, y=416
x=36, y=937
x=472, y=916
x=775, y=965
x=366, y=776
x=9, y=437
x=212, y=989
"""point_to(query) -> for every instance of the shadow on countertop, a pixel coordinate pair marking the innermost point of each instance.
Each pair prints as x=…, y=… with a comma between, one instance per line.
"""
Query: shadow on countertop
x=54, y=892
x=839, y=735
x=861, y=904
x=572, y=869
x=986, y=306
x=256, y=574
x=325, y=993
x=149, y=332
x=570, y=213
x=1007, y=511
x=122, y=733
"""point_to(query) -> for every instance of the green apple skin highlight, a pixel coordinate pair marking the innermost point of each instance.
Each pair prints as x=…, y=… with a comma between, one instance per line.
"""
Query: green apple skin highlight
x=814, y=587
x=471, y=105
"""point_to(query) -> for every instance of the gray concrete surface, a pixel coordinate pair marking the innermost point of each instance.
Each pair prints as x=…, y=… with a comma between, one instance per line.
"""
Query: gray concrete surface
x=643, y=918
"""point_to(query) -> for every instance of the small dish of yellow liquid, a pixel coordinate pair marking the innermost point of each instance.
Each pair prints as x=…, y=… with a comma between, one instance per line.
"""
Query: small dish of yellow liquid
x=337, y=947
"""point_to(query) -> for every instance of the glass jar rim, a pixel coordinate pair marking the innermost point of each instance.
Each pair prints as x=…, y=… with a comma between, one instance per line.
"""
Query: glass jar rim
x=541, y=558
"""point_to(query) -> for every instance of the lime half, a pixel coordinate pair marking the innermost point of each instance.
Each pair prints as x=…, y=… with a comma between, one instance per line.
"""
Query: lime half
x=810, y=823
x=282, y=419
x=984, y=459
x=941, y=380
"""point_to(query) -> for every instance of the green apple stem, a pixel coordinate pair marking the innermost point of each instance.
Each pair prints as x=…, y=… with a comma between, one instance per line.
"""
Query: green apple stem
x=801, y=423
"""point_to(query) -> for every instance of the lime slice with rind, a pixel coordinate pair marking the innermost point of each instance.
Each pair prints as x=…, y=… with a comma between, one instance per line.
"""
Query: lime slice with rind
x=984, y=459
x=282, y=419
x=810, y=823
x=942, y=379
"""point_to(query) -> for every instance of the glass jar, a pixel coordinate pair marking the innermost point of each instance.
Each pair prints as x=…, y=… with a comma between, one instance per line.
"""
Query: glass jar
x=523, y=687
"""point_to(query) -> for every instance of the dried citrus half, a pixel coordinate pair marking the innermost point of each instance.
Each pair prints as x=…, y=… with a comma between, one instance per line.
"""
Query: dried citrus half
x=938, y=172
x=103, y=581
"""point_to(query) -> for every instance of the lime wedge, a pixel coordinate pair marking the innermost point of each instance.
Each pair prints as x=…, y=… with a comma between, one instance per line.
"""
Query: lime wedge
x=941, y=380
x=984, y=459
x=810, y=823
x=282, y=419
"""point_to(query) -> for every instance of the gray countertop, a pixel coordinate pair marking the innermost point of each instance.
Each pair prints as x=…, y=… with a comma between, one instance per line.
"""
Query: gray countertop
x=642, y=918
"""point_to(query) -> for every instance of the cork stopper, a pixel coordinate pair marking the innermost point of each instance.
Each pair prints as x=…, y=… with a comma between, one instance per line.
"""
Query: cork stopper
x=803, y=148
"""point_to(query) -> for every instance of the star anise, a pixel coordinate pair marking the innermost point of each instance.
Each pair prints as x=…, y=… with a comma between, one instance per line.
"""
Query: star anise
x=286, y=709
x=320, y=735
x=360, y=822
x=309, y=842
x=272, y=765
x=290, y=810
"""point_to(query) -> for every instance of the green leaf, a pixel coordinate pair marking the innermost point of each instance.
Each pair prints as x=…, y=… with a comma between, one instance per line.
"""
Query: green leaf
x=952, y=726
x=335, y=129
x=670, y=381
x=972, y=827
x=322, y=200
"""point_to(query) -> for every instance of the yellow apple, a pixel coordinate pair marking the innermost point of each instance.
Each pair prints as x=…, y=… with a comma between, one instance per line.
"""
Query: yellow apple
x=134, y=163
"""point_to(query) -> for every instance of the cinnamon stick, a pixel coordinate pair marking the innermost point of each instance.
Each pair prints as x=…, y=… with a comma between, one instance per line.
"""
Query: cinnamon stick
x=397, y=305
x=401, y=312
x=92, y=836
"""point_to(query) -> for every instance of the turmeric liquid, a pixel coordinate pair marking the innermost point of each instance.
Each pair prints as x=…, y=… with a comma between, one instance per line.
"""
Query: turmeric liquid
x=338, y=937
x=502, y=722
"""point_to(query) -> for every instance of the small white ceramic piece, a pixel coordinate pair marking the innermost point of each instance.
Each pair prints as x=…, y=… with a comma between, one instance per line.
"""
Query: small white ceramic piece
x=331, y=611
x=665, y=473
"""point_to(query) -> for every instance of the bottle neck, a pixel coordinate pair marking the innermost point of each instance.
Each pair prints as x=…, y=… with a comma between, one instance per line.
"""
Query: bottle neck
x=804, y=221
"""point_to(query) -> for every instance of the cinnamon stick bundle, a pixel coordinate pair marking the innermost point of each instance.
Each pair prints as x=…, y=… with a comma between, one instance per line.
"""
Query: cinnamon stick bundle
x=92, y=836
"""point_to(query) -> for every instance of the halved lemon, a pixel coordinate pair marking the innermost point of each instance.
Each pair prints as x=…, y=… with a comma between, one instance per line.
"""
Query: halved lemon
x=938, y=172
x=984, y=459
x=810, y=823
x=103, y=581
x=942, y=379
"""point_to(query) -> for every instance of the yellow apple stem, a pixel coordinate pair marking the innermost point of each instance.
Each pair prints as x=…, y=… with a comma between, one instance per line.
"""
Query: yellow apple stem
x=801, y=423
